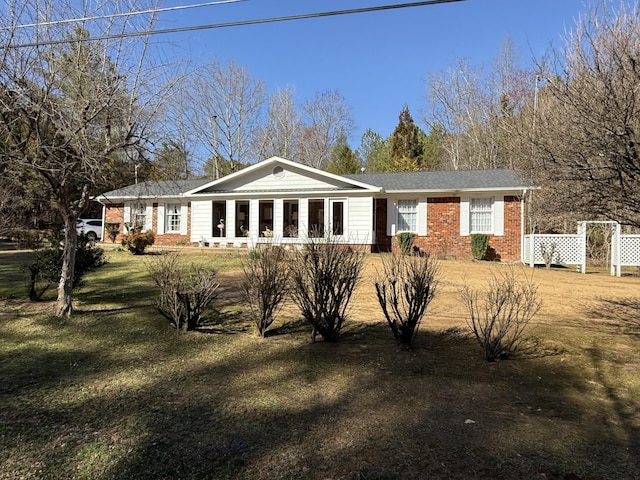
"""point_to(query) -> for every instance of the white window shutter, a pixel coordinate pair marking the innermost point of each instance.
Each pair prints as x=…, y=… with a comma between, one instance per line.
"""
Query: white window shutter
x=464, y=215
x=127, y=213
x=161, y=216
x=184, y=218
x=148, y=219
x=422, y=217
x=392, y=217
x=498, y=216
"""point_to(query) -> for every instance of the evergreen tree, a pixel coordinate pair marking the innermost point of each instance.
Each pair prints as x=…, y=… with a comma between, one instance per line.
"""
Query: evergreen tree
x=374, y=152
x=343, y=159
x=406, y=147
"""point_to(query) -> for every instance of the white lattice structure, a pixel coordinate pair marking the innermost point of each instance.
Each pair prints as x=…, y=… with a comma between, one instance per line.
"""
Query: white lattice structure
x=571, y=249
x=568, y=249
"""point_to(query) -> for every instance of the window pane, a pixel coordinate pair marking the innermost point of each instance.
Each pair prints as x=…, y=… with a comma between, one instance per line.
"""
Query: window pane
x=337, y=218
x=481, y=215
x=173, y=217
x=407, y=215
x=316, y=218
x=266, y=218
x=290, y=218
x=242, y=218
x=218, y=209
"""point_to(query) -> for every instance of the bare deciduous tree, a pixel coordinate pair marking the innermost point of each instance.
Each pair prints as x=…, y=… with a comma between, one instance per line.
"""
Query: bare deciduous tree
x=72, y=107
x=225, y=107
x=587, y=132
x=326, y=118
x=278, y=136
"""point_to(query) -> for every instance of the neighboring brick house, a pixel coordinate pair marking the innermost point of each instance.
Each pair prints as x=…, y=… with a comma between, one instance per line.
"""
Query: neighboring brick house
x=285, y=202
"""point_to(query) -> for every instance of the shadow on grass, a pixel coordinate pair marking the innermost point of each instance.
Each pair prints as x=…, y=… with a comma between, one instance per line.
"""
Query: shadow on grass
x=202, y=406
x=622, y=313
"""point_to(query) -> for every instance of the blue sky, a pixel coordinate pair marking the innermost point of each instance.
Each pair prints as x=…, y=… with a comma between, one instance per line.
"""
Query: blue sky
x=377, y=61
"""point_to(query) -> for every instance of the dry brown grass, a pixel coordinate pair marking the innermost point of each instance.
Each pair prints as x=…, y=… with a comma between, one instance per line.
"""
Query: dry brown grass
x=114, y=393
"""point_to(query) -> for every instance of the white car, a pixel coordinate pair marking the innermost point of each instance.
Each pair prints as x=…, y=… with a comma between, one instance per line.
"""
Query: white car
x=92, y=227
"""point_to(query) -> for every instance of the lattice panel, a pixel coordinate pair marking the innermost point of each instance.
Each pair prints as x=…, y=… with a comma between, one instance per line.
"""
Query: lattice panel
x=569, y=249
x=630, y=250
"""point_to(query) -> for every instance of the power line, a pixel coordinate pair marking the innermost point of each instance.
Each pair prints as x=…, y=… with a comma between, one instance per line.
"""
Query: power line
x=233, y=24
x=125, y=14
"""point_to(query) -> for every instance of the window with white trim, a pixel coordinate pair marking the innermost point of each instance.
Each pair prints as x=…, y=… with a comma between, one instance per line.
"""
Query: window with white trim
x=407, y=215
x=139, y=215
x=481, y=215
x=173, y=218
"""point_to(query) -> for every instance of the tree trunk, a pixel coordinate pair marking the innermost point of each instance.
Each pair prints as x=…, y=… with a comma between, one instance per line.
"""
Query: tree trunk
x=65, y=287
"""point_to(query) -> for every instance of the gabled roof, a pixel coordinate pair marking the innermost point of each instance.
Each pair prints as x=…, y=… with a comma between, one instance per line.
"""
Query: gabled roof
x=446, y=180
x=246, y=176
x=157, y=189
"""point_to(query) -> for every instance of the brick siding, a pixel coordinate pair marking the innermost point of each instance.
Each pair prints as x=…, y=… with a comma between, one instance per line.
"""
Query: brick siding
x=443, y=231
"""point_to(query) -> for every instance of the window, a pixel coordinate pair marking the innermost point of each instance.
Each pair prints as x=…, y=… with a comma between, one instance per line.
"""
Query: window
x=407, y=215
x=337, y=217
x=242, y=218
x=173, y=217
x=481, y=215
x=139, y=215
x=218, y=214
x=266, y=218
x=316, y=218
x=290, y=218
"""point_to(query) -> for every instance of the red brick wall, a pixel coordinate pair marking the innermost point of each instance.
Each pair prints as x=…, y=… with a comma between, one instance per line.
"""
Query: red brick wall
x=115, y=214
x=443, y=231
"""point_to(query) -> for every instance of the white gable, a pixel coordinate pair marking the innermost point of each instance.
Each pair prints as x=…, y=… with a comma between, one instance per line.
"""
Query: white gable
x=279, y=175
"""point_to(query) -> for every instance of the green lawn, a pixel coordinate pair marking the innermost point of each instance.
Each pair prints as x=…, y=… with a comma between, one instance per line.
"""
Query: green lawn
x=114, y=392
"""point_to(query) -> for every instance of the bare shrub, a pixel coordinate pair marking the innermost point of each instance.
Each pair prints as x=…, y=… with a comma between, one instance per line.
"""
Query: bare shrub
x=266, y=276
x=548, y=253
x=184, y=291
x=499, y=314
x=324, y=275
x=404, y=288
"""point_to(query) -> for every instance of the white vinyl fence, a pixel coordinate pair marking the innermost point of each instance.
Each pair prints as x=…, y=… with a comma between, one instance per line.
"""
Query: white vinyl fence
x=571, y=249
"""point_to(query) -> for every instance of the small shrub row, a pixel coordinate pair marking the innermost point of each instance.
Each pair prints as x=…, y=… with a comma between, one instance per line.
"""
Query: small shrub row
x=321, y=279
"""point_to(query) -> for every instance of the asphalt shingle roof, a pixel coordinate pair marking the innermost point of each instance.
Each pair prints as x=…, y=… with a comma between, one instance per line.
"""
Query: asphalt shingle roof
x=450, y=180
x=445, y=180
x=163, y=188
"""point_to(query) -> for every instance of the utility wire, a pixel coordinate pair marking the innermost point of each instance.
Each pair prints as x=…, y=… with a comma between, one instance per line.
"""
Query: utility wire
x=124, y=14
x=233, y=24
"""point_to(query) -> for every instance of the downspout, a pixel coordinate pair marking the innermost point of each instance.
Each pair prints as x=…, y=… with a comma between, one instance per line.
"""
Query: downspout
x=522, y=229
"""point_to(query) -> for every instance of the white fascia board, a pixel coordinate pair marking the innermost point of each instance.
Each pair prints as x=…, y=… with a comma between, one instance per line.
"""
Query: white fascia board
x=515, y=191
x=129, y=198
x=284, y=194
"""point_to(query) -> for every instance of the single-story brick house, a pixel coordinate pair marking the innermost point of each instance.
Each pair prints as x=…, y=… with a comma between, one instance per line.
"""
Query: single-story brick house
x=281, y=201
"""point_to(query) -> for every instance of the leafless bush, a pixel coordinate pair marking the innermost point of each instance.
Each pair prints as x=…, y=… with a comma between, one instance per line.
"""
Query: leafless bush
x=266, y=276
x=184, y=292
x=324, y=275
x=404, y=288
x=499, y=314
x=548, y=253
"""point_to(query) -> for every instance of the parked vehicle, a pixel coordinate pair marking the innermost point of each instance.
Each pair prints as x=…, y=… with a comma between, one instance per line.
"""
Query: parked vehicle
x=92, y=227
